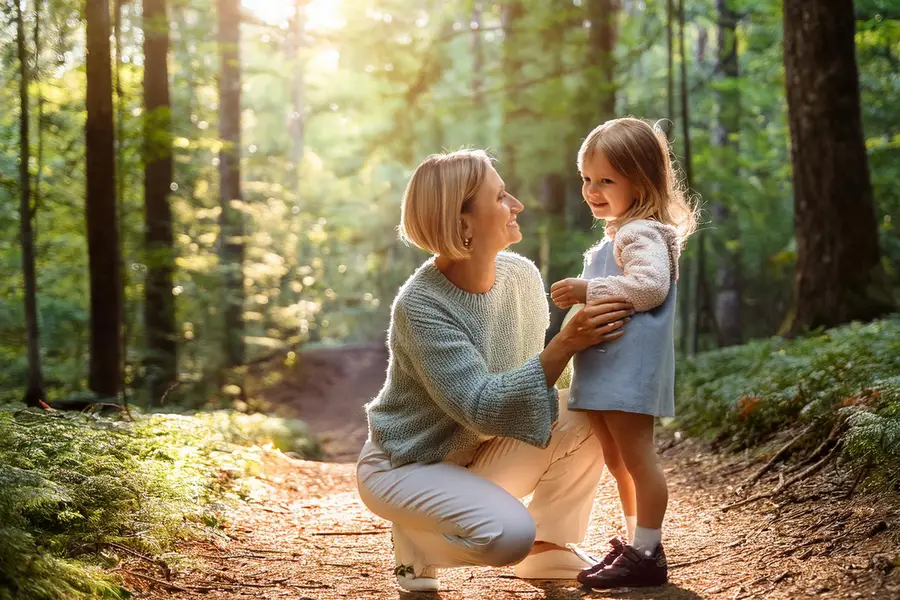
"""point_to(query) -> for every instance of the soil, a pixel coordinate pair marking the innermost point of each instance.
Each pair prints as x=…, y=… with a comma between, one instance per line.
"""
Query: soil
x=304, y=534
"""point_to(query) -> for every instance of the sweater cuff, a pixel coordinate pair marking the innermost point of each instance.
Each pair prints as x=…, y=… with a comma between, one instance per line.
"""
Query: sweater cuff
x=602, y=287
x=546, y=405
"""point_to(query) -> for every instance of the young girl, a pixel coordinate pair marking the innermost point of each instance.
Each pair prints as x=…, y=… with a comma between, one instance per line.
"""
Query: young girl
x=629, y=182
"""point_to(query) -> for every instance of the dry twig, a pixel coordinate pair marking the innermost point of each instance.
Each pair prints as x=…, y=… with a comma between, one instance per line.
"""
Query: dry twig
x=367, y=532
x=784, y=484
x=778, y=456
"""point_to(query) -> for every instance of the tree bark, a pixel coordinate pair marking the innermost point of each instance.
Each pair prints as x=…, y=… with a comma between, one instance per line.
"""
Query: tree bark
x=670, y=68
x=598, y=90
x=512, y=63
x=297, y=126
x=728, y=101
x=34, y=389
x=100, y=207
x=231, y=219
x=160, y=362
x=699, y=282
x=839, y=276
x=477, y=58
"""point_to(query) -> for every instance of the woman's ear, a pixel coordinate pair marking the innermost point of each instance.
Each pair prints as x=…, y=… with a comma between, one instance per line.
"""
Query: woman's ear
x=466, y=227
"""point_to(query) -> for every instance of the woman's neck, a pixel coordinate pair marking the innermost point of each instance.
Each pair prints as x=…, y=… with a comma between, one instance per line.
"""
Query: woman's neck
x=475, y=275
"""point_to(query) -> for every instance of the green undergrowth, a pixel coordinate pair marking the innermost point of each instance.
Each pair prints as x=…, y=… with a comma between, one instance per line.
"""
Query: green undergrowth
x=739, y=397
x=72, y=486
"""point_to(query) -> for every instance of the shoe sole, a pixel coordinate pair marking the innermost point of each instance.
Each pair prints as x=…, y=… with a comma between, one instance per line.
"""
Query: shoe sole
x=419, y=584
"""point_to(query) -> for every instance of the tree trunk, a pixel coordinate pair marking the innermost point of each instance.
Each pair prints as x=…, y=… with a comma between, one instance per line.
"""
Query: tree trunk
x=839, y=276
x=120, y=116
x=598, y=90
x=477, y=66
x=670, y=67
x=34, y=390
x=728, y=101
x=297, y=127
x=684, y=298
x=231, y=219
x=102, y=220
x=699, y=283
x=160, y=362
x=296, y=62
x=512, y=64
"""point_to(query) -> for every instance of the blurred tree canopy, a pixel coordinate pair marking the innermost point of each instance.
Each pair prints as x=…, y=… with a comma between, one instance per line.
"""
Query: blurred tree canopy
x=338, y=101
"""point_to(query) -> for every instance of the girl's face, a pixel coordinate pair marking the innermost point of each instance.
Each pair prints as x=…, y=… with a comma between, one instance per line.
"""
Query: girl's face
x=607, y=192
x=491, y=218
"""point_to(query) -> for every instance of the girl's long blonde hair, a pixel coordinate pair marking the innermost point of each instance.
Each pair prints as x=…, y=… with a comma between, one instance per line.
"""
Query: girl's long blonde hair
x=641, y=153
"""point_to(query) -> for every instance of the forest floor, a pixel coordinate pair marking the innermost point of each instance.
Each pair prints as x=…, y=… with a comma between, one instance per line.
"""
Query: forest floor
x=304, y=534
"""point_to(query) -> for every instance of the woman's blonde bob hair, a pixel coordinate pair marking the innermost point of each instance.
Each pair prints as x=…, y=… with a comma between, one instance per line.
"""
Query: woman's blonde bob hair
x=640, y=152
x=439, y=191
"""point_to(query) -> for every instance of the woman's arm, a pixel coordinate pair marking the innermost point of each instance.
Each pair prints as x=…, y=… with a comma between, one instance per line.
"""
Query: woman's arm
x=517, y=403
x=598, y=322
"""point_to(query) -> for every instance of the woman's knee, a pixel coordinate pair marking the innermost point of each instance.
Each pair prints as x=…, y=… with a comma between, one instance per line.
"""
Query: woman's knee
x=514, y=542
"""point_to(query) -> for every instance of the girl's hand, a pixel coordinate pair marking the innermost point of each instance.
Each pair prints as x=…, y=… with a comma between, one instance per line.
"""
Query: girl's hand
x=569, y=292
x=600, y=321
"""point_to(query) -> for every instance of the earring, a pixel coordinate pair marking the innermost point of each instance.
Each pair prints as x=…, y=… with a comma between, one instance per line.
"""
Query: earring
x=467, y=242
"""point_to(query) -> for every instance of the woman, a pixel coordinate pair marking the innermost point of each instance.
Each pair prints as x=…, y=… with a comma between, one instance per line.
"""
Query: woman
x=469, y=419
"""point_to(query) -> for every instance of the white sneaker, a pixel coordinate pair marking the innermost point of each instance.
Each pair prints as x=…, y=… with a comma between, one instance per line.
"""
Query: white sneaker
x=425, y=581
x=412, y=574
x=554, y=564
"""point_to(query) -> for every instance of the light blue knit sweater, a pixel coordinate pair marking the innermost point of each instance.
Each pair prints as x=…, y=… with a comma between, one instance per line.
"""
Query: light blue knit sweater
x=464, y=367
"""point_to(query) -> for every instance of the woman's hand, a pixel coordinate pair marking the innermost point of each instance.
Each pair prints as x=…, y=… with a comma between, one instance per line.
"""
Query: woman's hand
x=598, y=322
x=569, y=292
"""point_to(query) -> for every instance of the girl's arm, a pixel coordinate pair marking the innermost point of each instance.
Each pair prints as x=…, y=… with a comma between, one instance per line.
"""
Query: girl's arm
x=648, y=255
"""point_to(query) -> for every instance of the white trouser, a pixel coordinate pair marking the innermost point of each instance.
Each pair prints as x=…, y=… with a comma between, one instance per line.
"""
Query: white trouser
x=456, y=515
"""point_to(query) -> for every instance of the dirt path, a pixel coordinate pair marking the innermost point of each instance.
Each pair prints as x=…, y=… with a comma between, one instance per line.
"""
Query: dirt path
x=304, y=534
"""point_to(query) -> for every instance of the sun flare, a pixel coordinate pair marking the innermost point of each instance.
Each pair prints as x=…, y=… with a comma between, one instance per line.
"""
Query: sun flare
x=320, y=14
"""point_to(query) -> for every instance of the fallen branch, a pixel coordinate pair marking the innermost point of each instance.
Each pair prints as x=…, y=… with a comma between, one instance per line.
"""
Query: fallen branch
x=688, y=563
x=265, y=550
x=784, y=484
x=860, y=475
x=367, y=532
x=165, y=584
x=275, y=583
x=236, y=556
x=832, y=438
x=782, y=577
x=167, y=572
x=319, y=586
x=778, y=456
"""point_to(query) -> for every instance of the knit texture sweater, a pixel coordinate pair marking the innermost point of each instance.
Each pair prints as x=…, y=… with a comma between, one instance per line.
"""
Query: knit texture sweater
x=464, y=367
x=648, y=254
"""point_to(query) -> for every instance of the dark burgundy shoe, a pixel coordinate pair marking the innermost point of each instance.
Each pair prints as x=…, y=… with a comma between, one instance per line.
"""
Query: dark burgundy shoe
x=618, y=546
x=630, y=569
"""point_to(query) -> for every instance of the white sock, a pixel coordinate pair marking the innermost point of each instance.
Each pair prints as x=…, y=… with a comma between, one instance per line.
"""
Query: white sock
x=630, y=525
x=646, y=540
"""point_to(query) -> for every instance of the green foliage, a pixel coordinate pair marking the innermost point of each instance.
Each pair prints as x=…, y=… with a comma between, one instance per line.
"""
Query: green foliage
x=742, y=394
x=873, y=441
x=71, y=482
x=335, y=119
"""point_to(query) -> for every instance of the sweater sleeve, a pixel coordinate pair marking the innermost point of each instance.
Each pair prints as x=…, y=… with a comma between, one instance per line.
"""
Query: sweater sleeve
x=645, y=258
x=517, y=403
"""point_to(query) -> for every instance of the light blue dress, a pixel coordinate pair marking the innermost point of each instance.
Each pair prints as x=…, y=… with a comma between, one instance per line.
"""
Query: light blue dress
x=635, y=373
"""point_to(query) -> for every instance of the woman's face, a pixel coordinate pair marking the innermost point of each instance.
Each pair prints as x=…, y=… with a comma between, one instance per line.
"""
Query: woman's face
x=491, y=219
